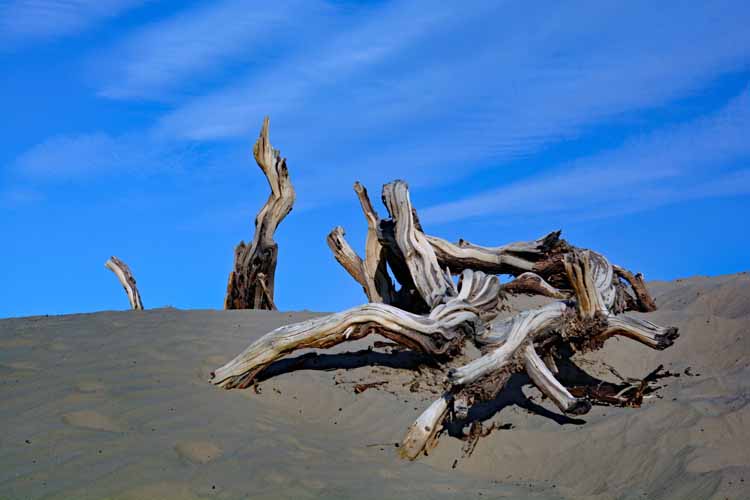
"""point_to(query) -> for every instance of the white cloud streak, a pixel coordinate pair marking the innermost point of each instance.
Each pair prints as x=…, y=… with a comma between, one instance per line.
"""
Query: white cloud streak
x=94, y=155
x=292, y=86
x=159, y=57
x=28, y=20
x=686, y=162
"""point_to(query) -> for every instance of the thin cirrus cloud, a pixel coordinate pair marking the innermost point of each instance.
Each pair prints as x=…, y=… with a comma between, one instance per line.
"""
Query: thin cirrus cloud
x=99, y=155
x=165, y=54
x=466, y=88
x=292, y=85
x=689, y=161
x=436, y=88
x=28, y=20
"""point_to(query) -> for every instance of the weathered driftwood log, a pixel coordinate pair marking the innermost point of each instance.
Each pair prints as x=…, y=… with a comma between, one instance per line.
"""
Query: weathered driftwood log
x=370, y=272
x=533, y=284
x=348, y=258
x=379, y=285
x=127, y=280
x=456, y=312
x=434, y=284
x=583, y=323
x=429, y=313
x=251, y=281
x=537, y=265
x=441, y=333
x=539, y=268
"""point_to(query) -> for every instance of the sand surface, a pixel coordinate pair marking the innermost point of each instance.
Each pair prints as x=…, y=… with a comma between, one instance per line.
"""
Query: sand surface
x=116, y=405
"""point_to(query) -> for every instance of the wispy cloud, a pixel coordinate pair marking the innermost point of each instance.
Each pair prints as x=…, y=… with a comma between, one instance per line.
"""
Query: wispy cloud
x=294, y=85
x=509, y=92
x=690, y=161
x=24, y=20
x=86, y=156
x=183, y=48
x=435, y=90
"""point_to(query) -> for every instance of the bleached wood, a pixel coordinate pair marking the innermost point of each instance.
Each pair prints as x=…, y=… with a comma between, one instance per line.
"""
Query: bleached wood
x=643, y=300
x=259, y=257
x=645, y=332
x=127, y=280
x=378, y=285
x=428, y=277
x=514, y=258
x=439, y=333
x=511, y=333
x=550, y=386
x=589, y=283
x=432, y=315
x=347, y=257
x=533, y=284
x=420, y=437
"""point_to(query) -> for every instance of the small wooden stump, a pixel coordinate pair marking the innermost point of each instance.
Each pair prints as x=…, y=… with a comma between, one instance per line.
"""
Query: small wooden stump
x=127, y=280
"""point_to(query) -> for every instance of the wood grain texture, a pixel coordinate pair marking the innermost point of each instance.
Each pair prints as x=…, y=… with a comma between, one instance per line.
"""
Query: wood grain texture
x=127, y=280
x=431, y=314
x=244, y=289
x=440, y=333
x=430, y=280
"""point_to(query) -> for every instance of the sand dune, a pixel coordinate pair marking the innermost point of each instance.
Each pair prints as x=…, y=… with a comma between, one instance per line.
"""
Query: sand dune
x=116, y=405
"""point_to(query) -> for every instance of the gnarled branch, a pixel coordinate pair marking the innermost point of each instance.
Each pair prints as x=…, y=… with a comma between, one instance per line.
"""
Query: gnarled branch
x=440, y=333
x=127, y=280
x=244, y=290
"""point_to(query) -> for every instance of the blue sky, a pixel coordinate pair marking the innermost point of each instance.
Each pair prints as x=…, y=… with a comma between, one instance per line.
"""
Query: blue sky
x=127, y=129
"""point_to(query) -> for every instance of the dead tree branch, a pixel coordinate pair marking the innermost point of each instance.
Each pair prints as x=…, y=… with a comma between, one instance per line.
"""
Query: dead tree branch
x=245, y=290
x=127, y=280
x=431, y=314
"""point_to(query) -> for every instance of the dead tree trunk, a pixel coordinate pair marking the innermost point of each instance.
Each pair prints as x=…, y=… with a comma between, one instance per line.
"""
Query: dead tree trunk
x=127, y=280
x=432, y=315
x=251, y=281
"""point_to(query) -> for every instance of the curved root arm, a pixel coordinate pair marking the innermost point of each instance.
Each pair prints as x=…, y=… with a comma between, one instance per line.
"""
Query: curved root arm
x=645, y=332
x=127, y=280
x=422, y=434
x=643, y=299
x=441, y=332
x=426, y=334
x=347, y=257
x=514, y=258
x=533, y=284
x=512, y=332
x=550, y=386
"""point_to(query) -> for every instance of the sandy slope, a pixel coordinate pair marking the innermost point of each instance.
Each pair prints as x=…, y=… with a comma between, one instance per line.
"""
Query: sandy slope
x=116, y=405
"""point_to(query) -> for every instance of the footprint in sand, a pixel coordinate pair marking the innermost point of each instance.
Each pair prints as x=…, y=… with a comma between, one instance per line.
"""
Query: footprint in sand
x=91, y=420
x=198, y=452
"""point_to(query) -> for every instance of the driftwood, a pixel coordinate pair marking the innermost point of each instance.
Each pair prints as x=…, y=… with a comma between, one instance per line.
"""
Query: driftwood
x=127, y=280
x=251, y=281
x=429, y=313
